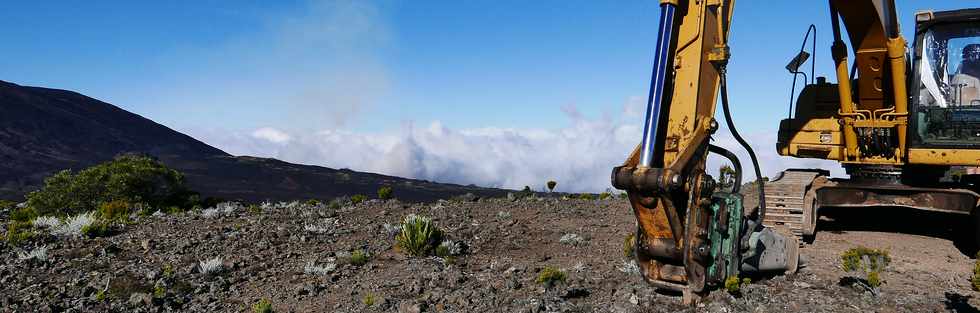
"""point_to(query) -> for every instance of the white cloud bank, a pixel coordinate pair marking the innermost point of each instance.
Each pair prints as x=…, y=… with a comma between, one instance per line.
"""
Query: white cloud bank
x=579, y=157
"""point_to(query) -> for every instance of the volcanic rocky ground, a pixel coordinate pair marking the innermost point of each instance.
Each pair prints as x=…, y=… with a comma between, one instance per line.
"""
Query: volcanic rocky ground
x=151, y=264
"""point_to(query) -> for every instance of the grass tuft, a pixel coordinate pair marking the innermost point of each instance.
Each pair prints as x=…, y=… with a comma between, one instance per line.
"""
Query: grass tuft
x=418, y=235
x=550, y=276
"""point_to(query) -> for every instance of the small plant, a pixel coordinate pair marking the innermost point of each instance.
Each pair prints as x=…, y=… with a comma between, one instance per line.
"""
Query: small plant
x=369, y=299
x=550, y=276
x=101, y=295
x=73, y=226
x=604, y=195
x=870, y=262
x=211, y=266
x=334, y=205
x=571, y=239
x=384, y=193
x=624, y=195
x=448, y=248
x=418, y=235
x=115, y=210
x=503, y=215
x=551, y=185
x=18, y=231
x=629, y=245
x=312, y=202
x=159, y=292
x=359, y=257
x=168, y=271
x=734, y=286
x=39, y=253
x=357, y=199
x=254, y=209
x=586, y=196
x=313, y=269
x=262, y=306
x=47, y=222
x=96, y=229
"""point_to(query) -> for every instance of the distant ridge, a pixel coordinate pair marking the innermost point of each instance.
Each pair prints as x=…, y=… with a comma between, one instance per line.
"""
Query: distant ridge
x=45, y=130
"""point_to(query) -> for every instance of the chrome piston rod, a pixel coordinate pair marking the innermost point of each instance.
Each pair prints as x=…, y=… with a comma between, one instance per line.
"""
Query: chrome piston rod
x=661, y=65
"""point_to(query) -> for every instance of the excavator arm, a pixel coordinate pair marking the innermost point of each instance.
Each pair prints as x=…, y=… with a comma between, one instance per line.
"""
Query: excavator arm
x=689, y=236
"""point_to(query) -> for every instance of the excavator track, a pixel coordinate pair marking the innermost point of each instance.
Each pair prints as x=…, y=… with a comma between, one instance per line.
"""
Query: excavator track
x=785, y=205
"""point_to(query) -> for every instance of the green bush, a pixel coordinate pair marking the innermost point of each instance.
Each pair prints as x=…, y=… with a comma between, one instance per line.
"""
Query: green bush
x=586, y=196
x=549, y=276
x=418, y=236
x=99, y=228
x=115, y=210
x=604, y=195
x=355, y=199
x=313, y=202
x=359, y=257
x=18, y=231
x=871, y=262
x=263, y=306
x=130, y=178
x=734, y=286
x=384, y=193
x=369, y=299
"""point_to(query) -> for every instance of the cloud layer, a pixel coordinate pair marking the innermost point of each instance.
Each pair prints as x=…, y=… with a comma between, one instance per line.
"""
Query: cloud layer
x=579, y=157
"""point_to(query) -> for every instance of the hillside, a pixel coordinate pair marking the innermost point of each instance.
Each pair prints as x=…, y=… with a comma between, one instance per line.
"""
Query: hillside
x=45, y=130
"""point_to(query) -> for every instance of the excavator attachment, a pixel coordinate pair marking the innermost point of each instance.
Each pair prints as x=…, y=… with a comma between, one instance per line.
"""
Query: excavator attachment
x=690, y=236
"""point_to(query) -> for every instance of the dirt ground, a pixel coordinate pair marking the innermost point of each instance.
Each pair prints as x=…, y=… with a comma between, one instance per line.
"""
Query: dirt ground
x=151, y=265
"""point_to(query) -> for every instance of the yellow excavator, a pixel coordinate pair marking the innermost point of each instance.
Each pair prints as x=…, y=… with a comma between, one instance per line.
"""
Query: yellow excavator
x=896, y=143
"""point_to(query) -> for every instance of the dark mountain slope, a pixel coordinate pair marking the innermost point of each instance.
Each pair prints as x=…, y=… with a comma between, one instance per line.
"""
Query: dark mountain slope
x=45, y=130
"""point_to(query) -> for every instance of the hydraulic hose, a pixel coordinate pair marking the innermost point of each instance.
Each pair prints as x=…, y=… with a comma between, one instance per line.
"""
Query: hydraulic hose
x=741, y=141
x=737, y=183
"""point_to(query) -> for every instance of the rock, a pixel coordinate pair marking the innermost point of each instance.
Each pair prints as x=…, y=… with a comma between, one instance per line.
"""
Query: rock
x=575, y=292
x=409, y=307
x=140, y=299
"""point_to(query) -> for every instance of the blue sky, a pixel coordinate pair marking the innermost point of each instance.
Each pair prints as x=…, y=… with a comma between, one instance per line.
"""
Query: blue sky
x=221, y=69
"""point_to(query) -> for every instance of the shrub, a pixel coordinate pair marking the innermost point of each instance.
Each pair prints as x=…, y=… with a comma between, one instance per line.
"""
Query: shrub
x=549, y=276
x=871, y=262
x=25, y=214
x=369, y=299
x=734, y=286
x=96, y=229
x=551, y=185
x=418, y=235
x=312, y=202
x=19, y=231
x=39, y=253
x=74, y=226
x=384, y=193
x=312, y=269
x=448, y=248
x=355, y=199
x=262, y=306
x=604, y=195
x=586, y=196
x=359, y=257
x=624, y=195
x=114, y=210
x=129, y=178
x=211, y=266
x=629, y=244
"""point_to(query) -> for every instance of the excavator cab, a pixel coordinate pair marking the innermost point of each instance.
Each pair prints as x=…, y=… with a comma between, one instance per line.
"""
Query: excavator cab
x=946, y=73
